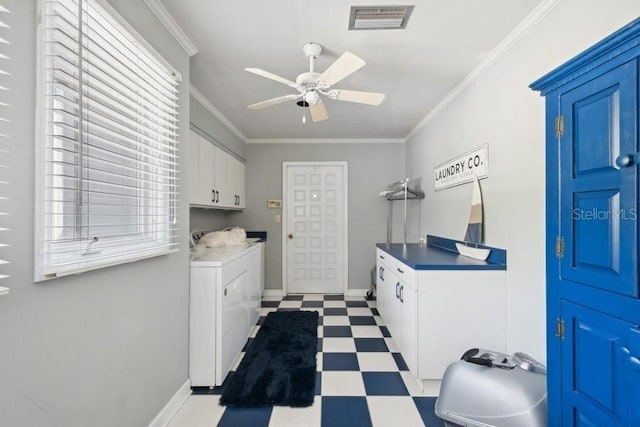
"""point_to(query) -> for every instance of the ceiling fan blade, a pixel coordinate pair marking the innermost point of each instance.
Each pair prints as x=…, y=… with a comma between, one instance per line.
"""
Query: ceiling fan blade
x=345, y=65
x=273, y=101
x=318, y=112
x=371, y=98
x=271, y=76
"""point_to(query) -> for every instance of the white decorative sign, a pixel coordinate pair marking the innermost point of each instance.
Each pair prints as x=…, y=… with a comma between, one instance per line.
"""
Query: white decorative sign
x=462, y=168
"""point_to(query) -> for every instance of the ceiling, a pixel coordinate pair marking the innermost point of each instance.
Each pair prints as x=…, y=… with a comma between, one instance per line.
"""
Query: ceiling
x=415, y=67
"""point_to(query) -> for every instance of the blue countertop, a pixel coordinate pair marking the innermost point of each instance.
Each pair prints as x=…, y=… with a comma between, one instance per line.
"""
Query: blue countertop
x=437, y=255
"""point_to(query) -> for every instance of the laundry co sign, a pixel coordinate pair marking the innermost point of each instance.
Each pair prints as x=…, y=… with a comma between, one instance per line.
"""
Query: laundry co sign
x=462, y=168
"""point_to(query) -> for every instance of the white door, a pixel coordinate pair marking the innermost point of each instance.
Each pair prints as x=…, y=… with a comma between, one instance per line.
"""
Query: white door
x=315, y=227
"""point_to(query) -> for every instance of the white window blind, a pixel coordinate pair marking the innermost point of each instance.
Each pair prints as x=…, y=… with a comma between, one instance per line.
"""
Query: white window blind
x=5, y=85
x=109, y=181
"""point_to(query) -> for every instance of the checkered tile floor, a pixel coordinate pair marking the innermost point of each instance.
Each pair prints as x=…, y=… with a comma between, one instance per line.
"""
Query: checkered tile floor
x=362, y=379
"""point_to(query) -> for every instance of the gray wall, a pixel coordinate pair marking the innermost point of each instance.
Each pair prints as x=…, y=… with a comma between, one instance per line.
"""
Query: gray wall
x=371, y=168
x=103, y=348
x=215, y=129
x=208, y=219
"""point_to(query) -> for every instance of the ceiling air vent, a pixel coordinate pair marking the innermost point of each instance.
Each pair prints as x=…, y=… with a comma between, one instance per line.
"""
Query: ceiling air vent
x=379, y=17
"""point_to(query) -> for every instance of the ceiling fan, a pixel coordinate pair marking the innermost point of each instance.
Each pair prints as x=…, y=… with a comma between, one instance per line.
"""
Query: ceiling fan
x=311, y=85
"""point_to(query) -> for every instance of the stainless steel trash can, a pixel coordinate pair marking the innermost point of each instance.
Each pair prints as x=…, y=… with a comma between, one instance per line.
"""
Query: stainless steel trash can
x=490, y=389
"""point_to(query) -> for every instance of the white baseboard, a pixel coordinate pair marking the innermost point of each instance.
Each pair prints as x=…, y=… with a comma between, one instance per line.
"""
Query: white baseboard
x=172, y=407
x=350, y=293
x=357, y=292
x=430, y=387
x=272, y=293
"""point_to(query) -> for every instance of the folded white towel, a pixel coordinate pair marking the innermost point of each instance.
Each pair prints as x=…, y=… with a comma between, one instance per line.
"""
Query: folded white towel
x=219, y=239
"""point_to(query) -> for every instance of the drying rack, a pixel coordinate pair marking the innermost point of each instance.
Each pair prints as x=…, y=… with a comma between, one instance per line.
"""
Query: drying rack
x=395, y=191
x=399, y=190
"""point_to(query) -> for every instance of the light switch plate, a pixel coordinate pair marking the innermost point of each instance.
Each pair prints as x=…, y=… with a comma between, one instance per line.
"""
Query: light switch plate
x=274, y=204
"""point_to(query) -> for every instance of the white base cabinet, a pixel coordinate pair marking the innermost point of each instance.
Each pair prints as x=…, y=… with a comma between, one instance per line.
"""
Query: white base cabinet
x=397, y=299
x=224, y=307
x=256, y=278
x=434, y=316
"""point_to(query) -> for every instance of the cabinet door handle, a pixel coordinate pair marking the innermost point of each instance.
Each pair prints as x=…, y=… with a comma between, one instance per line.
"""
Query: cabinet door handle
x=380, y=271
x=402, y=294
x=217, y=196
x=225, y=292
x=381, y=256
x=213, y=196
x=399, y=271
x=397, y=294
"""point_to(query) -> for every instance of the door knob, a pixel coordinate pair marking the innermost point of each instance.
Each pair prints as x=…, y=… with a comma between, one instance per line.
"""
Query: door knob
x=290, y=236
x=626, y=160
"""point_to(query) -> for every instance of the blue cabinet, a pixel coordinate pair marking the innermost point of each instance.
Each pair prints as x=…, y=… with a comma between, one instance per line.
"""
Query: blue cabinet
x=593, y=310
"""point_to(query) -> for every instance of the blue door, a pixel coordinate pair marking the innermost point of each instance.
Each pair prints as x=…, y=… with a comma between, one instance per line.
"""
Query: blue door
x=597, y=376
x=593, y=280
x=598, y=189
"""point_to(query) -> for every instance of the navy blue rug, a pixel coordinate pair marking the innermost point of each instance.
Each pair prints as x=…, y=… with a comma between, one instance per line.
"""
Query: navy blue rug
x=279, y=367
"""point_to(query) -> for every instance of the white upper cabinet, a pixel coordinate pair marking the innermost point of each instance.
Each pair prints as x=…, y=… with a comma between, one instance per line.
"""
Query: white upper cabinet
x=236, y=181
x=223, y=196
x=205, y=166
x=216, y=178
x=193, y=168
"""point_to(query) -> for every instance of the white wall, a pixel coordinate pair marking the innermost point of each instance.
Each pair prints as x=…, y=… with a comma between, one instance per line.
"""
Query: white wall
x=499, y=109
x=104, y=348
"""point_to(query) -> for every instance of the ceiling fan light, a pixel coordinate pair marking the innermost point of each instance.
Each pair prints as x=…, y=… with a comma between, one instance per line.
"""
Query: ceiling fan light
x=312, y=97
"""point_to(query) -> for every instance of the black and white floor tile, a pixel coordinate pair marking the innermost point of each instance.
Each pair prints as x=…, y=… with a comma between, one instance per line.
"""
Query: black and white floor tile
x=362, y=379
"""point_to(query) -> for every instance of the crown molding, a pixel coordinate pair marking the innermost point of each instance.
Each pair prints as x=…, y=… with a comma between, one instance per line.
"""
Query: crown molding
x=170, y=24
x=518, y=33
x=325, y=141
x=216, y=113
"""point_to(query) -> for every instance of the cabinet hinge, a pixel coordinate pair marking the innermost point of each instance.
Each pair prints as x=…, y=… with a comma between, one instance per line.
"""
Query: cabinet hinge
x=559, y=126
x=559, y=328
x=559, y=247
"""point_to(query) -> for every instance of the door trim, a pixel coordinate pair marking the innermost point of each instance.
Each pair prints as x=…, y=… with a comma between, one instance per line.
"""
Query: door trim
x=283, y=236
